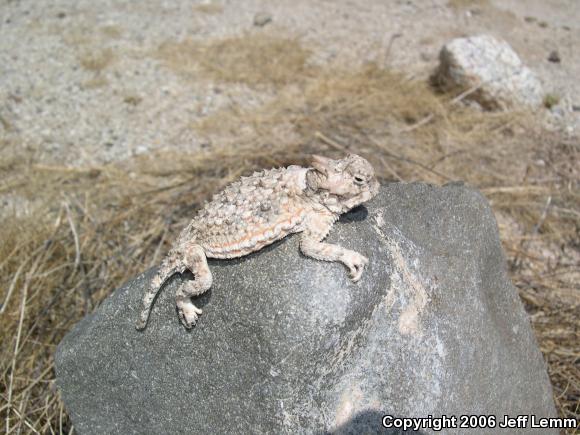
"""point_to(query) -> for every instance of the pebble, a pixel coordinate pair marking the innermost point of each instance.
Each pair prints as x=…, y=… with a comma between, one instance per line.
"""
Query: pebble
x=262, y=18
x=554, y=57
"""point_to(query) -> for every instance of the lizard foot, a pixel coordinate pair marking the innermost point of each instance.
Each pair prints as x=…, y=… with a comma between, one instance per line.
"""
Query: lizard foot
x=188, y=315
x=356, y=264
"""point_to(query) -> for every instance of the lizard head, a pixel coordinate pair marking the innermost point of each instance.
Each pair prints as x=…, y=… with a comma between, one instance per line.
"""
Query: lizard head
x=352, y=179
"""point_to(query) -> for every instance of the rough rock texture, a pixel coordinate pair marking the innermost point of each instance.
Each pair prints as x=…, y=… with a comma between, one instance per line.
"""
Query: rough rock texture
x=491, y=66
x=287, y=344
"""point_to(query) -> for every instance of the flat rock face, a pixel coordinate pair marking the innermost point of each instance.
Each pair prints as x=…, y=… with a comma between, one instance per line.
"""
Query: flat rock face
x=287, y=344
x=492, y=69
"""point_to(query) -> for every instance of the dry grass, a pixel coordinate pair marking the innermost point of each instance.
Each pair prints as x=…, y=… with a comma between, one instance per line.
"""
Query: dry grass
x=89, y=229
x=96, y=61
x=95, y=82
x=255, y=59
x=467, y=4
x=211, y=8
x=112, y=31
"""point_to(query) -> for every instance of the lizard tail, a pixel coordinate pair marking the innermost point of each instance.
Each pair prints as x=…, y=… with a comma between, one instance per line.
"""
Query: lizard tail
x=169, y=266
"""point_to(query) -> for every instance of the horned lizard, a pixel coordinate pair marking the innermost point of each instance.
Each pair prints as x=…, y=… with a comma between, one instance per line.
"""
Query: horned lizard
x=259, y=210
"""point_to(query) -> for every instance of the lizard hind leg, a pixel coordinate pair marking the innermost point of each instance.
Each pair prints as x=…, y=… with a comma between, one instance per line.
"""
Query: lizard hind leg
x=195, y=260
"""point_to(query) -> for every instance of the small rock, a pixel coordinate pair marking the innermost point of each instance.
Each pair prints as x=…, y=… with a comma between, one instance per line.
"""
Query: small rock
x=262, y=18
x=554, y=56
x=576, y=107
x=15, y=97
x=558, y=112
x=132, y=100
x=141, y=149
x=492, y=69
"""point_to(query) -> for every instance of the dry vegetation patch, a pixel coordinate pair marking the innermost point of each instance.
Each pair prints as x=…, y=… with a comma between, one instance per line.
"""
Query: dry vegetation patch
x=96, y=61
x=211, y=8
x=90, y=229
x=467, y=4
x=253, y=59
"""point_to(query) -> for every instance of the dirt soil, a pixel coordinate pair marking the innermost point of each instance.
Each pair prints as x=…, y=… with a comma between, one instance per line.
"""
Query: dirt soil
x=82, y=82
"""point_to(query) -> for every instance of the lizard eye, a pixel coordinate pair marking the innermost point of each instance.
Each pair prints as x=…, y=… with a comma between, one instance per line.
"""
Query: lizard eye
x=359, y=180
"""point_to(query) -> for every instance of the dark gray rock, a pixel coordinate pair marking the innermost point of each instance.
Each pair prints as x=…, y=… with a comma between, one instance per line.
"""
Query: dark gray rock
x=287, y=344
x=554, y=56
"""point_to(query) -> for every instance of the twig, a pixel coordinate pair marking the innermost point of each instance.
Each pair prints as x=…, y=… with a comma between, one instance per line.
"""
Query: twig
x=408, y=160
x=47, y=425
x=568, y=210
x=75, y=235
x=390, y=169
x=515, y=190
x=543, y=216
x=430, y=116
x=12, y=186
x=10, y=256
x=84, y=281
x=517, y=260
x=12, y=285
x=22, y=410
x=445, y=157
x=466, y=93
x=38, y=379
x=389, y=46
x=330, y=142
x=419, y=123
x=84, y=208
x=95, y=170
x=24, y=421
x=61, y=412
x=16, y=348
x=502, y=126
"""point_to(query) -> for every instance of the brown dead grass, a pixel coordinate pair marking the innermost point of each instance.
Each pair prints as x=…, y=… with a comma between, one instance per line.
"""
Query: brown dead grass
x=255, y=59
x=467, y=4
x=211, y=8
x=88, y=230
x=96, y=61
x=112, y=31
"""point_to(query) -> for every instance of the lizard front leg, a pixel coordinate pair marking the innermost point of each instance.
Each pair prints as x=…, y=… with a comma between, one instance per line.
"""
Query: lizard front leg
x=311, y=245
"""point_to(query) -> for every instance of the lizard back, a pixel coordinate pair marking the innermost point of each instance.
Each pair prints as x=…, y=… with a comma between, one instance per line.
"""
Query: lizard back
x=250, y=213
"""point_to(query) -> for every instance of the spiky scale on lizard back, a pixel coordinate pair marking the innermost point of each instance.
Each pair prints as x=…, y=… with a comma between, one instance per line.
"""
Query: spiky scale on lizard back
x=258, y=210
x=249, y=214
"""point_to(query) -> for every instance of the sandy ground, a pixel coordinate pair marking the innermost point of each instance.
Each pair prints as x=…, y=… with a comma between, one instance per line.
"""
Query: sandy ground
x=82, y=82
